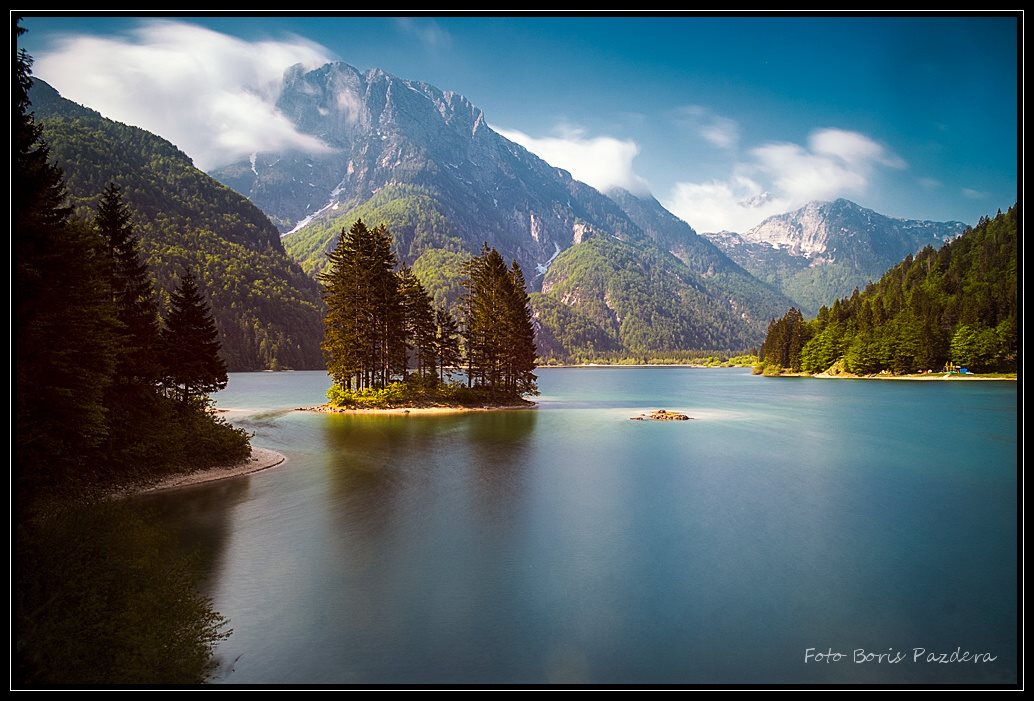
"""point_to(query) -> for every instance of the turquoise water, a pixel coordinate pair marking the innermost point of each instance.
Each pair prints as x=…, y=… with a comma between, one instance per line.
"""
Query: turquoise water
x=569, y=544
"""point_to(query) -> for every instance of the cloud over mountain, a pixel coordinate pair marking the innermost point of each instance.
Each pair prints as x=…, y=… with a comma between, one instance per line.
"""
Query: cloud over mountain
x=211, y=94
x=779, y=176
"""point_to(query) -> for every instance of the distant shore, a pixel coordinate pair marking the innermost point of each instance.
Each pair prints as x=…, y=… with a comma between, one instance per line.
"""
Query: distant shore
x=457, y=409
x=924, y=377
x=259, y=460
x=644, y=365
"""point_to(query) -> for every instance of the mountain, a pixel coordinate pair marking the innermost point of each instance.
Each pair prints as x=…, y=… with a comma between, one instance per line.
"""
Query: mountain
x=955, y=304
x=425, y=162
x=421, y=160
x=266, y=308
x=716, y=272
x=824, y=250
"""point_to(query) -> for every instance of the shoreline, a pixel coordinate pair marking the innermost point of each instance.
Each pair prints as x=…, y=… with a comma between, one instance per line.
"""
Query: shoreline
x=427, y=410
x=647, y=365
x=261, y=459
x=931, y=377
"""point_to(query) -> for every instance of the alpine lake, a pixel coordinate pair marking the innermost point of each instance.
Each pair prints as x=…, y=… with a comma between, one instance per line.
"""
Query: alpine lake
x=794, y=531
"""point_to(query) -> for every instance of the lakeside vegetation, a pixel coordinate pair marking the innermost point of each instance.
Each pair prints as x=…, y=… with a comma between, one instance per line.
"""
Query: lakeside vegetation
x=105, y=393
x=956, y=306
x=381, y=322
x=709, y=359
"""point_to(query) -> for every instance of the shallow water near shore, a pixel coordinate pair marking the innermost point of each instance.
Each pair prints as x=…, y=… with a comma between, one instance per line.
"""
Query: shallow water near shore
x=567, y=543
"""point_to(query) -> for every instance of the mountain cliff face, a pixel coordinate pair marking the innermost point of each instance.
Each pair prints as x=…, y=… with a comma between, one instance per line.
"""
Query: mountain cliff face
x=267, y=310
x=824, y=250
x=397, y=141
x=424, y=162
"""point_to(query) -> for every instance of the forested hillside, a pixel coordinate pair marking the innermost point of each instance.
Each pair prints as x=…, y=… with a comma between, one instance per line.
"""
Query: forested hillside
x=267, y=310
x=957, y=304
x=637, y=299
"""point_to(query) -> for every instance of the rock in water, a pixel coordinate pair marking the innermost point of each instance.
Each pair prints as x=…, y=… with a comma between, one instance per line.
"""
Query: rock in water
x=661, y=415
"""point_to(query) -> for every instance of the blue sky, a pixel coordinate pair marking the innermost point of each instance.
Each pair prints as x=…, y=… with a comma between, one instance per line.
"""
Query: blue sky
x=913, y=117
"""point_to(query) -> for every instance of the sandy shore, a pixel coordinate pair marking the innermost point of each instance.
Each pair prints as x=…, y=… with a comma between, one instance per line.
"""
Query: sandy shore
x=261, y=459
x=324, y=409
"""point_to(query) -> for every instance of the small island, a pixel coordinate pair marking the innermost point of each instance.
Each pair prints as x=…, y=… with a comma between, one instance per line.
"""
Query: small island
x=418, y=394
x=388, y=348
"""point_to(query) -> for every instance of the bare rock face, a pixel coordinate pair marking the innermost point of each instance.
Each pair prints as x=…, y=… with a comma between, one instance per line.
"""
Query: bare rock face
x=824, y=250
x=382, y=132
x=841, y=230
x=662, y=415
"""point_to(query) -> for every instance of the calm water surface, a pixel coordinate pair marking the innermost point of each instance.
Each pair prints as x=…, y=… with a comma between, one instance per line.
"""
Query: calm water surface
x=569, y=544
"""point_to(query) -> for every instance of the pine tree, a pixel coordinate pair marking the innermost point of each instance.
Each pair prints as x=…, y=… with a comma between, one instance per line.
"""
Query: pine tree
x=131, y=290
x=446, y=342
x=344, y=292
x=486, y=304
x=365, y=330
x=419, y=320
x=499, y=335
x=389, y=338
x=520, y=330
x=190, y=344
x=64, y=321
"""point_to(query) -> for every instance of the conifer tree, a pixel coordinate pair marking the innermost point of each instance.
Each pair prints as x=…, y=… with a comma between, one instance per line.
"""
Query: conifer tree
x=498, y=330
x=446, y=342
x=419, y=320
x=63, y=317
x=389, y=337
x=131, y=290
x=190, y=344
x=344, y=291
x=521, y=351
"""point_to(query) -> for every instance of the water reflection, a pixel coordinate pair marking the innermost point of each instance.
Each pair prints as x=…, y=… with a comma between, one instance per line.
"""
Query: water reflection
x=201, y=520
x=424, y=510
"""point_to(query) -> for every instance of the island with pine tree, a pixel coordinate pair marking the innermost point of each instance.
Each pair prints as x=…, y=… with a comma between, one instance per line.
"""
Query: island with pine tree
x=381, y=322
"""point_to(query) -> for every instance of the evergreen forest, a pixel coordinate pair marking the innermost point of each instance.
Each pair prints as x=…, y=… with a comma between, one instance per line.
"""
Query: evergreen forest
x=939, y=309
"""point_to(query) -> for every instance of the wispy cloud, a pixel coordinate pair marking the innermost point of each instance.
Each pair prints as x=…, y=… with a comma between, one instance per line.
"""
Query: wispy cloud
x=929, y=184
x=779, y=176
x=973, y=194
x=211, y=94
x=604, y=162
x=427, y=31
x=721, y=132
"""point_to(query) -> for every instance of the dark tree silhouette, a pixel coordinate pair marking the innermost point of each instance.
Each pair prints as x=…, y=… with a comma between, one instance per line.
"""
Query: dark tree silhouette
x=190, y=344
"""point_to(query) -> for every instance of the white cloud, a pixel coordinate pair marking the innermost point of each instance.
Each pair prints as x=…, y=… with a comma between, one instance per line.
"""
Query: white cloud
x=211, y=94
x=426, y=30
x=973, y=194
x=780, y=176
x=602, y=161
x=735, y=204
x=721, y=132
x=852, y=148
x=929, y=183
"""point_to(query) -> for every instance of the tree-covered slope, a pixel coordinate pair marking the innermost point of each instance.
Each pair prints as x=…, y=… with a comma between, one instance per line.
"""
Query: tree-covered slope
x=267, y=309
x=955, y=304
x=411, y=213
x=635, y=298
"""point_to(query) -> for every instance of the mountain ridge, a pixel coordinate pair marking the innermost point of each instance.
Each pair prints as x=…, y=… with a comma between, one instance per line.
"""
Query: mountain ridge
x=426, y=164
x=824, y=250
